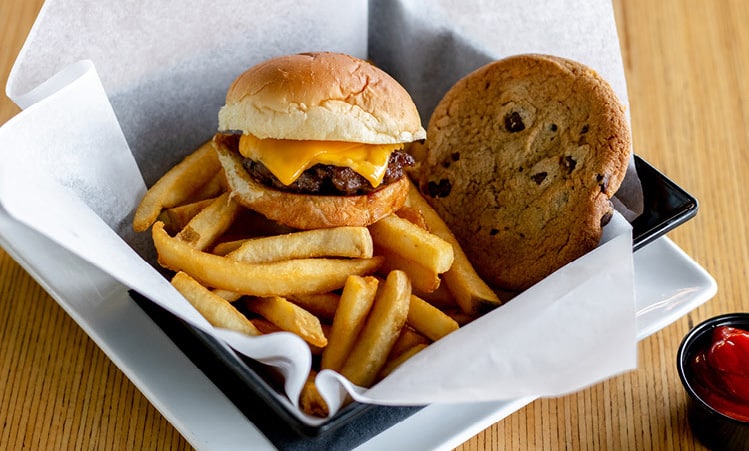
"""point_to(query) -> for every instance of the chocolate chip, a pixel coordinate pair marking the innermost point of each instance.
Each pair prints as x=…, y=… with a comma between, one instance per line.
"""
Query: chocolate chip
x=606, y=218
x=603, y=182
x=513, y=122
x=455, y=156
x=553, y=127
x=568, y=163
x=539, y=177
x=493, y=232
x=582, y=141
x=439, y=189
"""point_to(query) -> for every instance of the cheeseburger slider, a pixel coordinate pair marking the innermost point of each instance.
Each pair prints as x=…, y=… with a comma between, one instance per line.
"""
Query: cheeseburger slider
x=317, y=140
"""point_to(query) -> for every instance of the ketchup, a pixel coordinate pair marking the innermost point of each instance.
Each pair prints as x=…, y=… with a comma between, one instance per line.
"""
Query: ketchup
x=721, y=372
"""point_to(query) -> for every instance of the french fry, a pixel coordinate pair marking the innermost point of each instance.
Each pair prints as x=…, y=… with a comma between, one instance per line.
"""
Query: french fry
x=310, y=400
x=212, y=188
x=352, y=242
x=413, y=215
x=177, y=185
x=460, y=317
x=322, y=305
x=354, y=306
x=176, y=218
x=317, y=350
x=380, y=332
x=408, y=240
x=226, y=247
x=217, y=311
x=289, y=317
x=258, y=279
x=264, y=326
x=267, y=327
x=440, y=298
x=471, y=293
x=349, y=242
x=422, y=278
x=206, y=226
x=228, y=295
x=432, y=322
x=407, y=338
x=398, y=360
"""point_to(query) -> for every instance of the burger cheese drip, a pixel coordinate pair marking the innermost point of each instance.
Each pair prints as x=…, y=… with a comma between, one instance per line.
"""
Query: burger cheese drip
x=323, y=167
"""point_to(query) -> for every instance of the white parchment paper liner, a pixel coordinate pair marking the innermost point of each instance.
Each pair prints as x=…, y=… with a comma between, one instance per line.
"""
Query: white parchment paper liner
x=112, y=104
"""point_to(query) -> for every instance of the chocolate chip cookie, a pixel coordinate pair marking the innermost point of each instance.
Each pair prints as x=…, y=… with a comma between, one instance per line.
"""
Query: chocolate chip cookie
x=522, y=157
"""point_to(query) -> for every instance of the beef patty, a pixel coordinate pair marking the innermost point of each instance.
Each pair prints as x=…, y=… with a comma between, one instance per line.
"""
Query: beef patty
x=325, y=179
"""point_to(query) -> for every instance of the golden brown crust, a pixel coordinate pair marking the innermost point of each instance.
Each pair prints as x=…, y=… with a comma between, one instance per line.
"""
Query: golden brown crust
x=522, y=156
x=308, y=211
x=321, y=96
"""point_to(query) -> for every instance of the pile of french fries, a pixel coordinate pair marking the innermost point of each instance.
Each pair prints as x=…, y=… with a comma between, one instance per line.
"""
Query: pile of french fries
x=365, y=299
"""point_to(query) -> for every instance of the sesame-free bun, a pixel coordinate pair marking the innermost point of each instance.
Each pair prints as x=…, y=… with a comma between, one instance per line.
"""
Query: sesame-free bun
x=321, y=96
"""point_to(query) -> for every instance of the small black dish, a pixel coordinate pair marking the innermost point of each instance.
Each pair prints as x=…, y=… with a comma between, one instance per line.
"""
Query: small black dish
x=714, y=429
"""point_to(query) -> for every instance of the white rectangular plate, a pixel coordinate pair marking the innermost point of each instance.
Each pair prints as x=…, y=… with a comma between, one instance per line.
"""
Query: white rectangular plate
x=668, y=284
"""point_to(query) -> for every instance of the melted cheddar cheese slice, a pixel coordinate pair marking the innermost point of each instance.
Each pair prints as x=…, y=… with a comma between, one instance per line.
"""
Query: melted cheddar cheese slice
x=287, y=158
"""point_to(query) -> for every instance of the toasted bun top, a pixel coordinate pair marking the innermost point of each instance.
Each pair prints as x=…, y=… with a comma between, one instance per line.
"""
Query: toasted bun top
x=321, y=96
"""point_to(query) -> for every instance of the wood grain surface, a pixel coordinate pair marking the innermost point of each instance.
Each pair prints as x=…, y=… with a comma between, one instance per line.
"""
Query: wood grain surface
x=687, y=66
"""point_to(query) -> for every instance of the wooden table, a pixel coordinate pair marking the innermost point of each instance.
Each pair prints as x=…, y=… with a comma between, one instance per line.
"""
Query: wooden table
x=687, y=64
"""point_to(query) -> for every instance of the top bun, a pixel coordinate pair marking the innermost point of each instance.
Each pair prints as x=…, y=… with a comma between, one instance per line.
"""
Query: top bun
x=321, y=96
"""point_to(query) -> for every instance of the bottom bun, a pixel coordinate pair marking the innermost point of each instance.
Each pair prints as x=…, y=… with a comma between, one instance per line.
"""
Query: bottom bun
x=308, y=211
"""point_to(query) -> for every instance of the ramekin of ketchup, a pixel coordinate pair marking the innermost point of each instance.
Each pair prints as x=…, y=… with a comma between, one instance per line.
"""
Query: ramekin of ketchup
x=713, y=364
